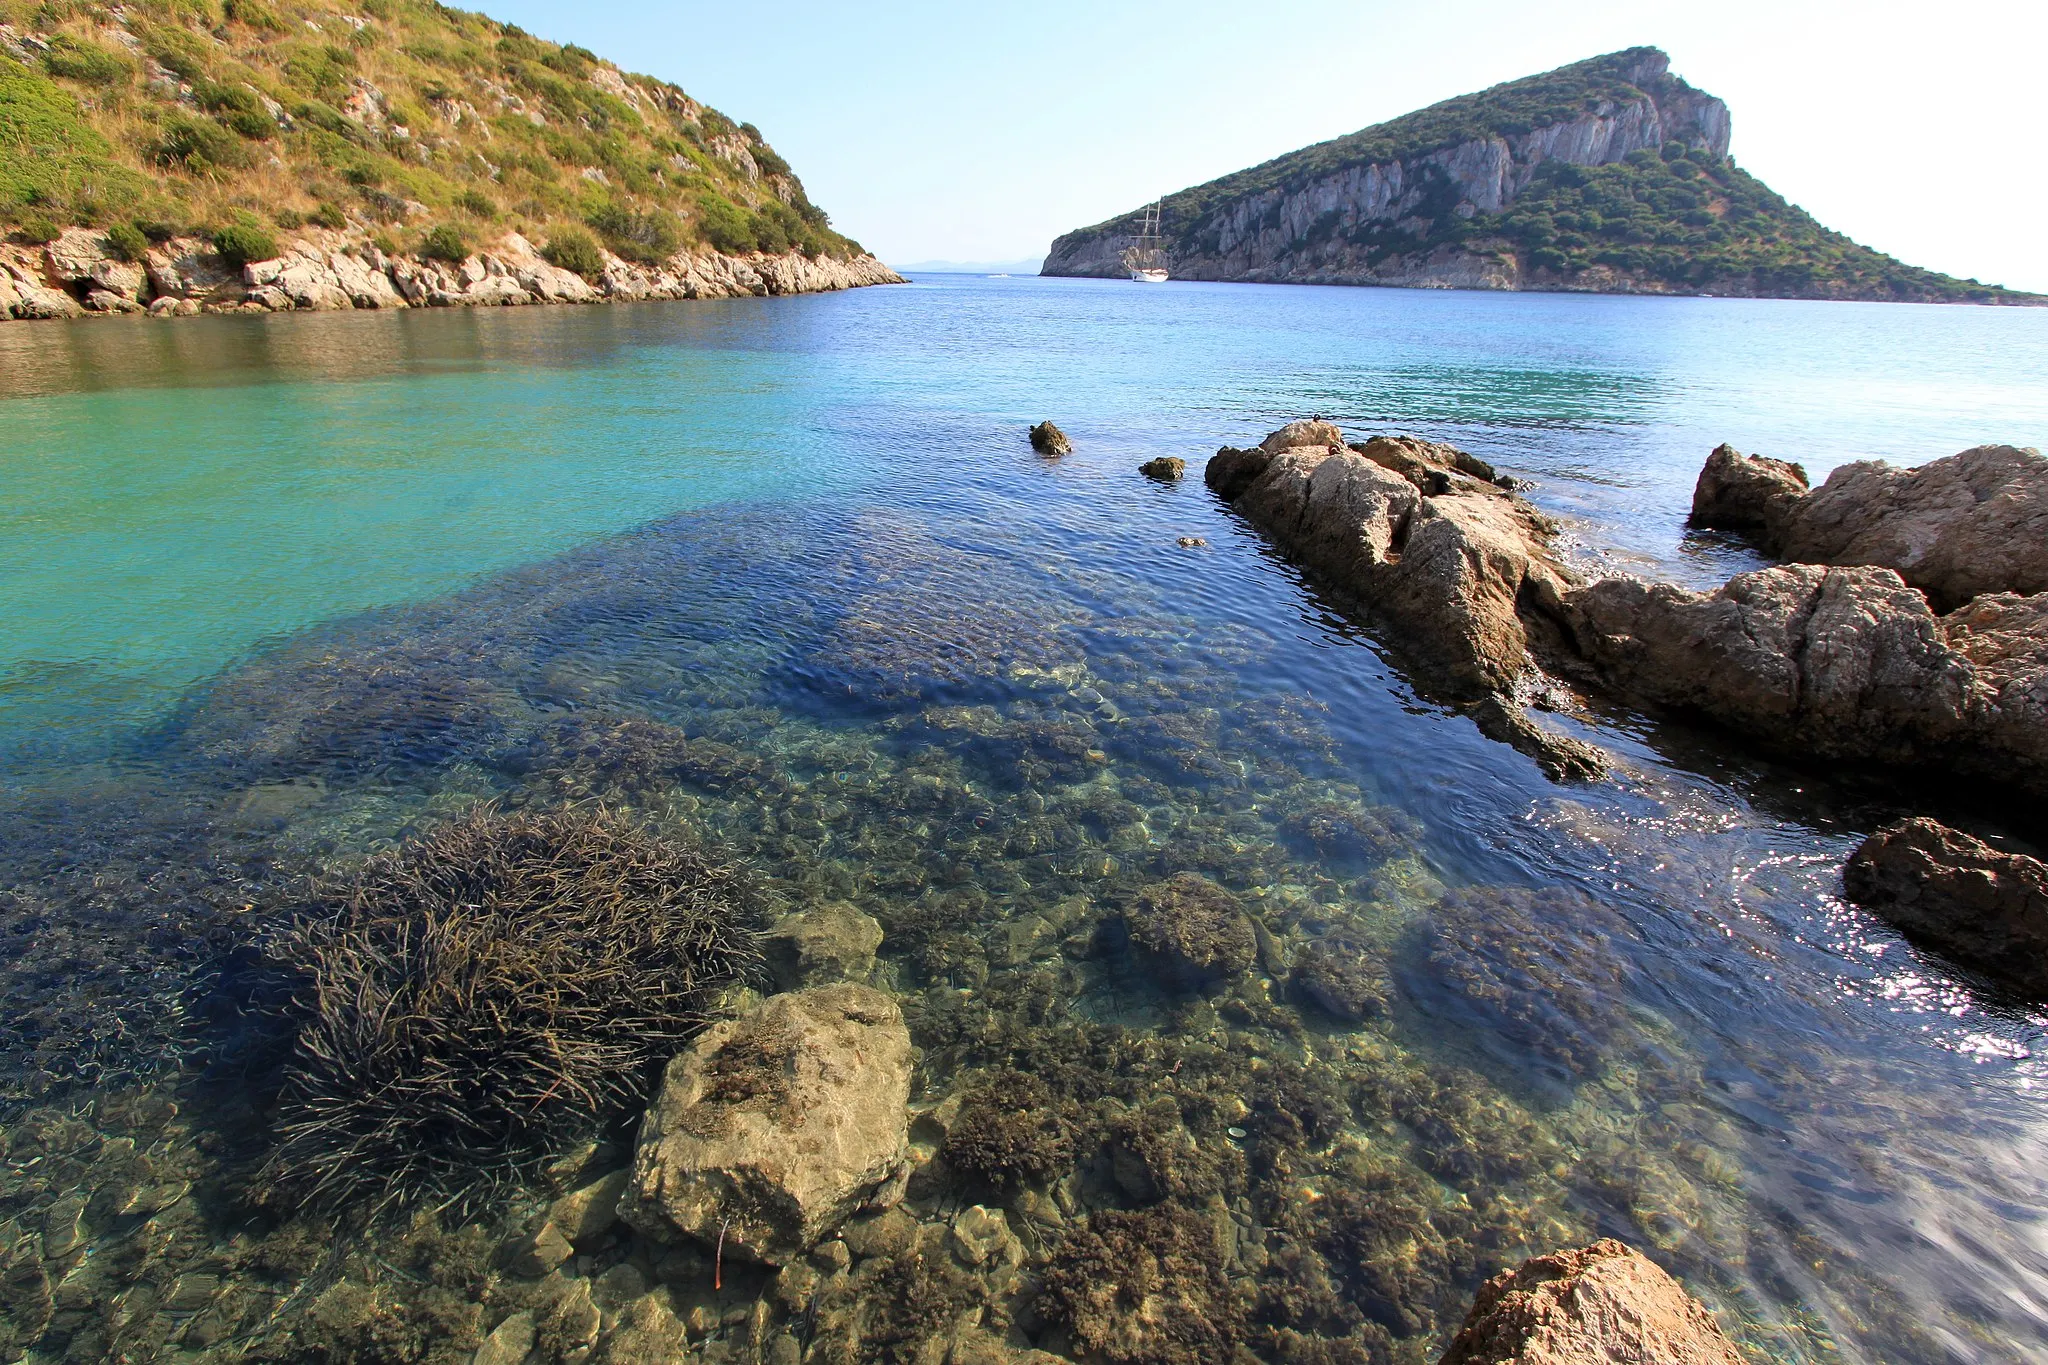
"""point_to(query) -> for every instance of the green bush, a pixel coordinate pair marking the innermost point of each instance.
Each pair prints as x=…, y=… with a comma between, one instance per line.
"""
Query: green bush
x=39, y=230
x=571, y=248
x=725, y=225
x=254, y=14
x=87, y=62
x=473, y=200
x=385, y=243
x=649, y=236
x=125, y=242
x=241, y=243
x=199, y=146
x=291, y=220
x=238, y=107
x=445, y=242
x=330, y=216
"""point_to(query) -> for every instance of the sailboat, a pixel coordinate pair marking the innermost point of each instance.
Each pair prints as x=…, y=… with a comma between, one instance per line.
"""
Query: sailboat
x=1145, y=257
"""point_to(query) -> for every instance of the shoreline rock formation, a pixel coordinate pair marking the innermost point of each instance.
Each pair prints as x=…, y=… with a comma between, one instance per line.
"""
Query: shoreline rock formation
x=1426, y=540
x=1980, y=905
x=78, y=275
x=1597, y=1305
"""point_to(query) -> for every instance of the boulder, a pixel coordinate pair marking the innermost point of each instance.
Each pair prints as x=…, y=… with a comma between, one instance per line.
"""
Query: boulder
x=1605, y=1304
x=1196, y=931
x=1971, y=523
x=1957, y=527
x=775, y=1127
x=80, y=257
x=1844, y=663
x=1458, y=570
x=1980, y=905
x=188, y=268
x=1165, y=468
x=834, y=942
x=1739, y=492
x=1048, y=439
x=26, y=295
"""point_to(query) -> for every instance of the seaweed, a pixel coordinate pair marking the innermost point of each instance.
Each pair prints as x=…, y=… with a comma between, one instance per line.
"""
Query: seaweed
x=1011, y=1133
x=1148, y=1287
x=489, y=988
x=1194, y=929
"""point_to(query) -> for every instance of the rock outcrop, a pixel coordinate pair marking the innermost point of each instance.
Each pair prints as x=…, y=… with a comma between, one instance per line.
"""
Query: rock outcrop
x=775, y=1127
x=1842, y=663
x=1421, y=536
x=1982, y=906
x=1604, y=1304
x=1048, y=439
x=1954, y=528
x=338, y=270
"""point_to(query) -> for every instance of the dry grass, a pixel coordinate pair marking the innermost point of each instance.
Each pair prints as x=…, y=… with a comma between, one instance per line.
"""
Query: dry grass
x=488, y=990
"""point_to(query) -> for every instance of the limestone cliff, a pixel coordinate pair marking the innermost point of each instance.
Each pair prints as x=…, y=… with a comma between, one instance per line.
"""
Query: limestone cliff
x=1608, y=175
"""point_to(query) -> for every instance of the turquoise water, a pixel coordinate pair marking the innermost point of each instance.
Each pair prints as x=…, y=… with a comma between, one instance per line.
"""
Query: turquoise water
x=332, y=570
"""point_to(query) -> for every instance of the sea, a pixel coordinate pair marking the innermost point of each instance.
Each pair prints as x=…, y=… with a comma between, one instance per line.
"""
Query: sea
x=283, y=592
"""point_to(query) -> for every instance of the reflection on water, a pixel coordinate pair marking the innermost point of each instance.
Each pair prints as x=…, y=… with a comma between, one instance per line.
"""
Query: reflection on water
x=894, y=659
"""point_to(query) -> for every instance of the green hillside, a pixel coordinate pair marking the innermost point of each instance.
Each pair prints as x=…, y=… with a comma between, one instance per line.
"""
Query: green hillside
x=432, y=127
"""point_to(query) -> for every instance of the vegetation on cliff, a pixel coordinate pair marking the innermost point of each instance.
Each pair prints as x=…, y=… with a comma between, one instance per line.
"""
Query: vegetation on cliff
x=426, y=125
x=1680, y=218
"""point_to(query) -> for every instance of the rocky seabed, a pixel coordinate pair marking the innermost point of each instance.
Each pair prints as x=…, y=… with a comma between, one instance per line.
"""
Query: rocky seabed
x=77, y=275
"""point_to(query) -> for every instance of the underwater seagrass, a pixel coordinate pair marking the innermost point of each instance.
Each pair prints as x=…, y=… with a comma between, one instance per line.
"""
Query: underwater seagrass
x=490, y=988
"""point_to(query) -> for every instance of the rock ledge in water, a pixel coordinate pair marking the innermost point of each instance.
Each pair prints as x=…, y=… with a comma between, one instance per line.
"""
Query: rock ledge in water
x=775, y=1127
x=1980, y=905
x=1604, y=1304
x=1048, y=439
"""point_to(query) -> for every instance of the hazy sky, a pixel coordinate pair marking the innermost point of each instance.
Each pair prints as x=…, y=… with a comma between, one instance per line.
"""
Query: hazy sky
x=982, y=131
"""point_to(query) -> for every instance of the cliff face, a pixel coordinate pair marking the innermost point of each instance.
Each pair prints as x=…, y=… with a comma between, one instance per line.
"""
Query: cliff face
x=1610, y=175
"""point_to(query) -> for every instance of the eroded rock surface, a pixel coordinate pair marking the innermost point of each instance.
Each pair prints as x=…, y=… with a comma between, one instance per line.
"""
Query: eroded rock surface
x=833, y=942
x=1972, y=523
x=1195, y=931
x=1980, y=905
x=1459, y=569
x=1605, y=1304
x=1048, y=439
x=775, y=1127
x=1846, y=663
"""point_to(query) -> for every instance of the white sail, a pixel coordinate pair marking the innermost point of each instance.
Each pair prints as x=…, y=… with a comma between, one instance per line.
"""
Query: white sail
x=1145, y=257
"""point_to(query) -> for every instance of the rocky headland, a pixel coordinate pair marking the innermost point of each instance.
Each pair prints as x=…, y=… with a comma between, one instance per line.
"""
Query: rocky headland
x=1610, y=175
x=80, y=275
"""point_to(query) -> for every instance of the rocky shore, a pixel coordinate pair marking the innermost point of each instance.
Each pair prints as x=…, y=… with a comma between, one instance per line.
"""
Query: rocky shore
x=80, y=274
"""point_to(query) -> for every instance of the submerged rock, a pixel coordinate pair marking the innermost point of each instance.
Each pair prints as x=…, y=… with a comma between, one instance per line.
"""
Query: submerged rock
x=1048, y=439
x=1457, y=568
x=1343, y=977
x=1597, y=1305
x=1971, y=523
x=834, y=942
x=775, y=1127
x=1844, y=663
x=1980, y=905
x=1195, y=930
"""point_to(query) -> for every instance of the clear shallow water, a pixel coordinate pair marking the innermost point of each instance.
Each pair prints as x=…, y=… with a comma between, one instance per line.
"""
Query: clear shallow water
x=809, y=530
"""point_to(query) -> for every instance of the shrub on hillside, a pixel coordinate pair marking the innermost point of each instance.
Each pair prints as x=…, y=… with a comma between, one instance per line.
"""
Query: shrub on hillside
x=330, y=216
x=241, y=243
x=125, y=242
x=38, y=230
x=649, y=236
x=445, y=242
x=199, y=146
x=474, y=200
x=725, y=225
x=87, y=62
x=571, y=248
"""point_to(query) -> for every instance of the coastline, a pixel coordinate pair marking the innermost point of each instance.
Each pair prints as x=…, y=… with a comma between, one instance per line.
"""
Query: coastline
x=328, y=271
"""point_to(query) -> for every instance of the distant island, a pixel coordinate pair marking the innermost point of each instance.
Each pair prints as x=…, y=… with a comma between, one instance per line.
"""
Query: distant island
x=263, y=155
x=1609, y=175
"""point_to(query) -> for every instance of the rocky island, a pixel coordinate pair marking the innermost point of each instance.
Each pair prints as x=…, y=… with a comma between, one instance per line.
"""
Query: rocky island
x=1607, y=176
x=259, y=158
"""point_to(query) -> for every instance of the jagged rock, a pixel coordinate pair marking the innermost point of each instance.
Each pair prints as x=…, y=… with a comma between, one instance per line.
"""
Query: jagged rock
x=187, y=268
x=1972, y=523
x=546, y=1248
x=107, y=301
x=775, y=1127
x=1605, y=1304
x=508, y=1342
x=1739, y=492
x=1457, y=569
x=80, y=257
x=1194, y=929
x=1165, y=468
x=1835, y=663
x=25, y=294
x=584, y=1214
x=834, y=942
x=1048, y=439
x=1980, y=905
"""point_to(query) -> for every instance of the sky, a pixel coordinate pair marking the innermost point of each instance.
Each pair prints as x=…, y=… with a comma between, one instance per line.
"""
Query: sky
x=981, y=131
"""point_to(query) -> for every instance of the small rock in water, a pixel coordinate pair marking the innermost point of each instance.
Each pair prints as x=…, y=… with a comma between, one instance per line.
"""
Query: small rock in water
x=1048, y=439
x=1192, y=542
x=1165, y=468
